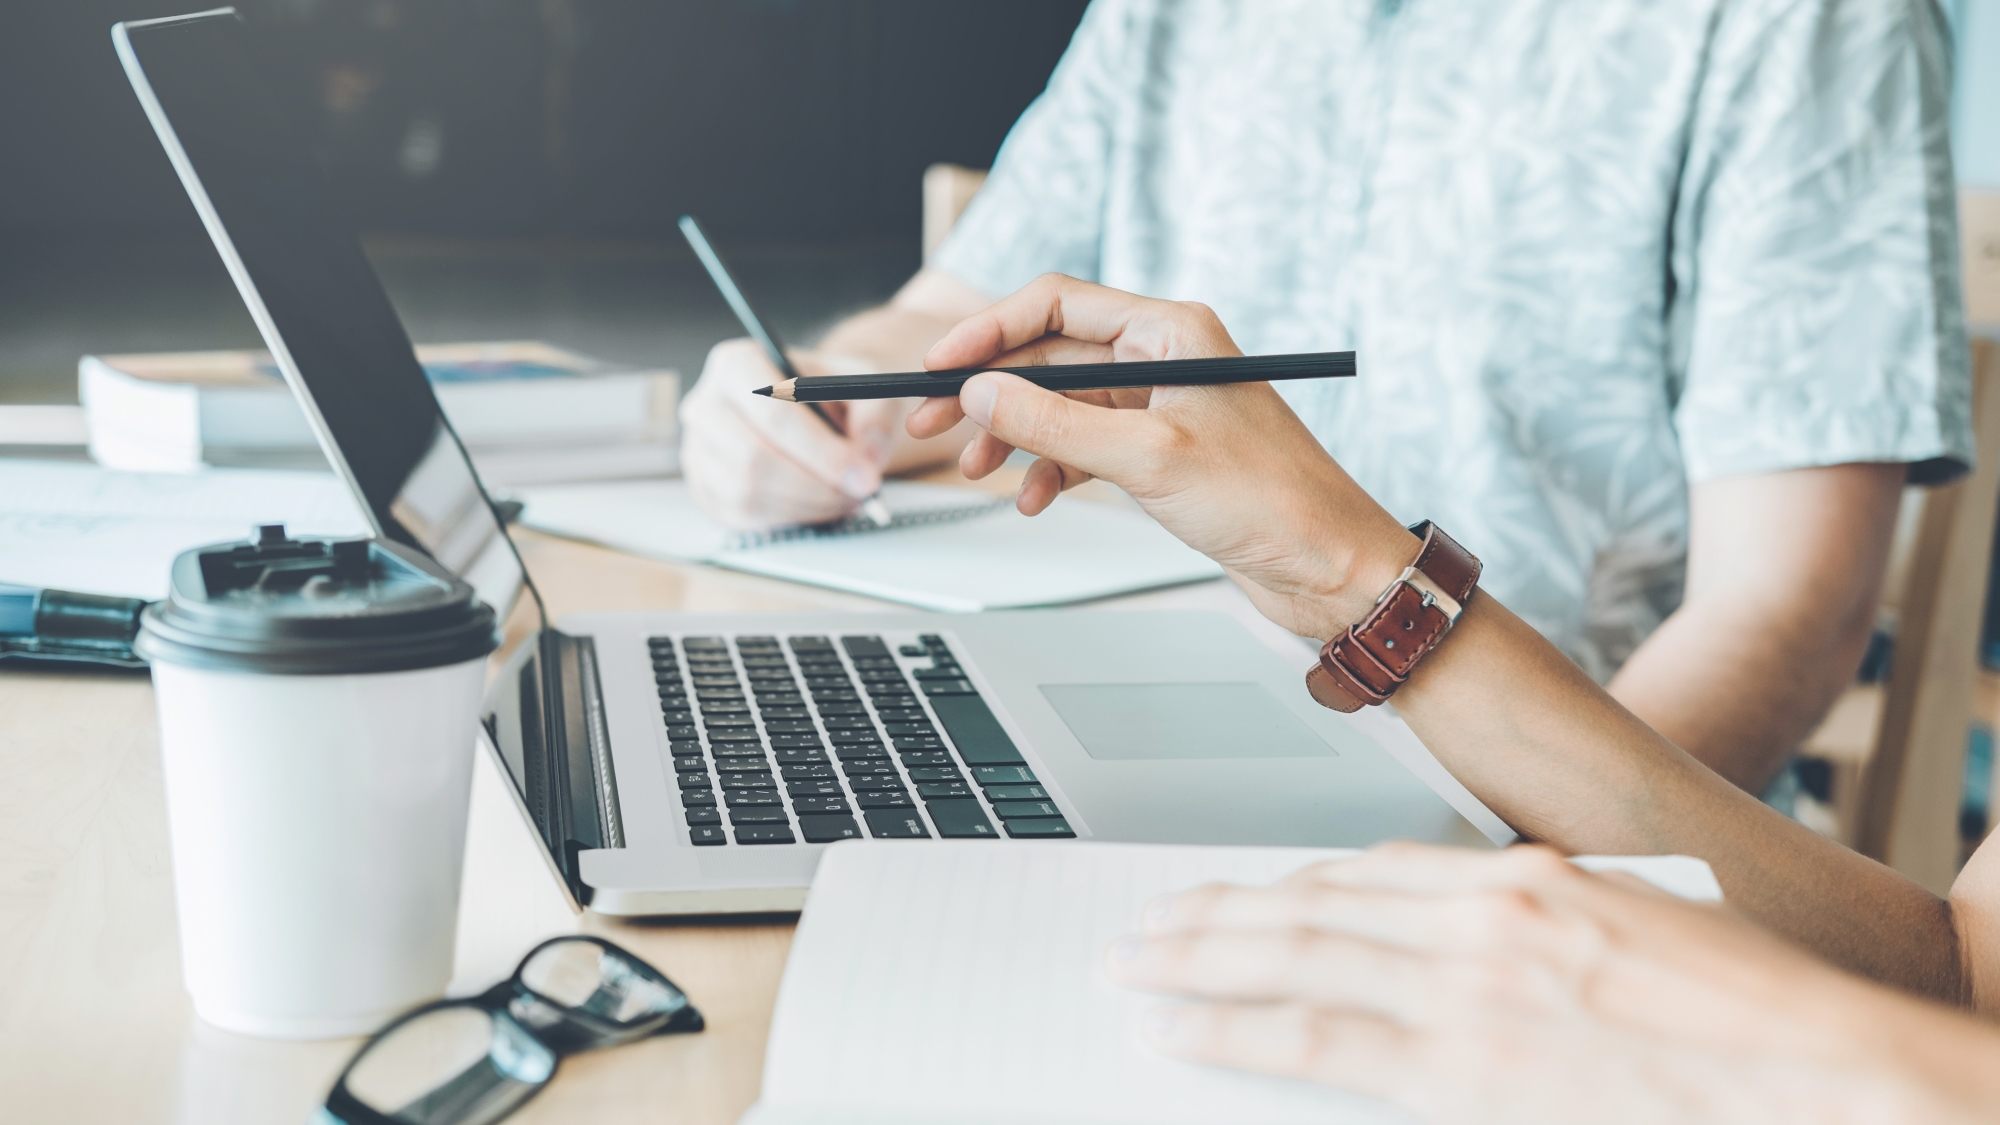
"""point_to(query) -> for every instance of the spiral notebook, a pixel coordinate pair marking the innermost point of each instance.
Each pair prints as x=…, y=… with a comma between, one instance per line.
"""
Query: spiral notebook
x=948, y=549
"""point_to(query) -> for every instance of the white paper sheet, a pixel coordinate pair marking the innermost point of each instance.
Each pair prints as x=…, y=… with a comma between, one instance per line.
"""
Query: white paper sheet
x=959, y=983
x=75, y=526
x=997, y=560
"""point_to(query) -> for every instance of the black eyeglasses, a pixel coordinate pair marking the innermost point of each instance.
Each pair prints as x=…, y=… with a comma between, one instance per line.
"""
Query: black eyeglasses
x=474, y=1061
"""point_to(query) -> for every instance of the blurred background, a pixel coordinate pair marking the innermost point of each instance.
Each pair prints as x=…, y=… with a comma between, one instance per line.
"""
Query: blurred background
x=517, y=165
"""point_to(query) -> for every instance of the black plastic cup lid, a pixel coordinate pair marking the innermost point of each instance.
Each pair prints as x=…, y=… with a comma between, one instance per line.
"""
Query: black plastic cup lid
x=314, y=607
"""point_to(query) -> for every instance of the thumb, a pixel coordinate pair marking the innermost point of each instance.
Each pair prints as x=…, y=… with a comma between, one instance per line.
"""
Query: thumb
x=1098, y=440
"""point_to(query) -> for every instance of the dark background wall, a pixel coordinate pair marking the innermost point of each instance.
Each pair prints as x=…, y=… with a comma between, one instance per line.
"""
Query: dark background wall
x=775, y=120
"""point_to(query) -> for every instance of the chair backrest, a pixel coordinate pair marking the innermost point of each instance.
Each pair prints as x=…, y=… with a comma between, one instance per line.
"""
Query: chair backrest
x=1914, y=782
x=947, y=189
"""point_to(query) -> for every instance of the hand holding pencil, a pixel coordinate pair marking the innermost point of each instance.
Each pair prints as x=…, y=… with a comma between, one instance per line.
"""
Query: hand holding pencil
x=1227, y=468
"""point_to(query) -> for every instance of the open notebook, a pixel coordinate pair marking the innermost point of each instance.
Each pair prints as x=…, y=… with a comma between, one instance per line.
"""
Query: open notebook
x=949, y=549
x=958, y=983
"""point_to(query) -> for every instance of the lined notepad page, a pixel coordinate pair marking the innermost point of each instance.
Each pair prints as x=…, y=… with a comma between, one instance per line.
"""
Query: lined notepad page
x=960, y=983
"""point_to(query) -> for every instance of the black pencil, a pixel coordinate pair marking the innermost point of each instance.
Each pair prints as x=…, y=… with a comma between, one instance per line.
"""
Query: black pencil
x=1071, y=377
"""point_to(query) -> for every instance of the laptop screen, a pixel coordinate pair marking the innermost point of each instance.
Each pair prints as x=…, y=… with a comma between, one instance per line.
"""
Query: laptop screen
x=315, y=297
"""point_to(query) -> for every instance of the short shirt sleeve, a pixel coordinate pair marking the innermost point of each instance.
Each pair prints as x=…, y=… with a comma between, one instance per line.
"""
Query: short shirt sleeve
x=1816, y=317
x=1041, y=209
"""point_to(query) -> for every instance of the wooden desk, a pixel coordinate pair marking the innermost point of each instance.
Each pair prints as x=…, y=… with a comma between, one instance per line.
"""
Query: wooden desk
x=94, y=1025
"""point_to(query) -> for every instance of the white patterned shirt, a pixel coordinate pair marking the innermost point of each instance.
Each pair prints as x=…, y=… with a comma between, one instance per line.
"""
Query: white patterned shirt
x=1589, y=251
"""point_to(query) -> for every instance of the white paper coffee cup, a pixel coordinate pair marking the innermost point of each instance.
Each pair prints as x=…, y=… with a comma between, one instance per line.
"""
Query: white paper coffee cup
x=318, y=705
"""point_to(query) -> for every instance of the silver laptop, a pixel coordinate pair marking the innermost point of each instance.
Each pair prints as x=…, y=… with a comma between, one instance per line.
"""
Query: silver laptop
x=693, y=763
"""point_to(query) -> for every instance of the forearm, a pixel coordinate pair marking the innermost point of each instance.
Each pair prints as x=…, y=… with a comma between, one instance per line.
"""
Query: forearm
x=1524, y=729
x=1739, y=683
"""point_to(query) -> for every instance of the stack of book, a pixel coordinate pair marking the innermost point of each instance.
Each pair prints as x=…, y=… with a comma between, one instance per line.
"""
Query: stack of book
x=529, y=412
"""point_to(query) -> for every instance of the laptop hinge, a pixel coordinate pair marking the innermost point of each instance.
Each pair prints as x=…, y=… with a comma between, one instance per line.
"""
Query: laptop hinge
x=567, y=782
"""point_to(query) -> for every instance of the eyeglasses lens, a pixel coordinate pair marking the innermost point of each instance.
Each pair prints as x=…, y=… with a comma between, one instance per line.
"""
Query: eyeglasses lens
x=451, y=1066
x=586, y=976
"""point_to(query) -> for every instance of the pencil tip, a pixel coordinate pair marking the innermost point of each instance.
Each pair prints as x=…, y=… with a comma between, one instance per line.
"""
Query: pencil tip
x=761, y=391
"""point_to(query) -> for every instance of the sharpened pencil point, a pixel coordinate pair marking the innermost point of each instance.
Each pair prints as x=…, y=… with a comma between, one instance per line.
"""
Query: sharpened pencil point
x=761, y=391
x=783, y=390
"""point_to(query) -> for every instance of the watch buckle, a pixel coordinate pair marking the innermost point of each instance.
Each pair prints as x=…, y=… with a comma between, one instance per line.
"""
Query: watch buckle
x=1433, y=594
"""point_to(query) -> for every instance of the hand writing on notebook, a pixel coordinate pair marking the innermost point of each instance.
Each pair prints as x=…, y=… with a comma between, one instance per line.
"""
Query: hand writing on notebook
x=1230, y=470
x=766, y=464
x=1512, y=986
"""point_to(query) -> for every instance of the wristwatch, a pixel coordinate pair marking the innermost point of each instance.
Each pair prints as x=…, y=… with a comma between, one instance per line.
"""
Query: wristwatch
x=1366, y=664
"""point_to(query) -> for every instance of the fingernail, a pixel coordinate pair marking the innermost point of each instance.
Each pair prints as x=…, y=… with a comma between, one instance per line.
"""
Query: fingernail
x=860, y=482
x=976, y=399
x=1125, y=950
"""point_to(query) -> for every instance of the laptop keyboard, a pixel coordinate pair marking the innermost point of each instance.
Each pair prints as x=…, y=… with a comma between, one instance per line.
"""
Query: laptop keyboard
x=816, y=739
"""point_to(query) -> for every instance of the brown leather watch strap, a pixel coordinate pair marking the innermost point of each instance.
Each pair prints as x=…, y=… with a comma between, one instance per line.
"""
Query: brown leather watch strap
x=1366, y=664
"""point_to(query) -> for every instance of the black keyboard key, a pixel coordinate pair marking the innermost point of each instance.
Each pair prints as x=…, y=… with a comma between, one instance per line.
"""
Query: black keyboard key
x=683, y=748
x=961, y=820
x=894, y=824
x=795, y=742
x=911, y=650
x=795, y=756
x=918, y=744
x=1016, y=793
x=976, y=733
x=732, y=734
x=862, y=752
x=738, y=763
x=862, y=647
x=801, y=644
x=1025, y=810
x=784, y=712
x=728, y=722
x=854, y=737
x=788, y=726
x=843, y=709
x=682, y=731
x=676, y=716
x=719, y=695
x=813, y=806
x=750, y=798
x=917, y=759
x=811, y=788
x=937, y=689
x=934, y=773
x=703, y=816
x=707, y=836
x=849, y=722
x=721, y=708
x=910, y=714
x=697, y=798
x=695, y=780
x=1048, y=828
x=910, y=730
x=827, y=829
x=775, y=815
x=879, y=781
x=931, y=640
x=871, y=767
x=892, y=800
x=691, y=765
x=714, y=680
x=932, y=790
x=748, y=781
x=940, y=672
x=765, y=834
x=819, y=771
x=1003, y=775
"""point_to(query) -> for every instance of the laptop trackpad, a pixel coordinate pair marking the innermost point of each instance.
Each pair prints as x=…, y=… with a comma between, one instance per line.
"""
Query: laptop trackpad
x=1126, y=722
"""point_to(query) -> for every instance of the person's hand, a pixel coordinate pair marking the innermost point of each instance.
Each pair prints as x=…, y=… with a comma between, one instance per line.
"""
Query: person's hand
x=755, y=463
x=1230, y=470
x=1498, y=987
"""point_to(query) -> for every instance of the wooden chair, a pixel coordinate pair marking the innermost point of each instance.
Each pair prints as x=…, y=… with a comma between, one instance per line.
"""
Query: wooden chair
x=947, y=190
x=1898, y=749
